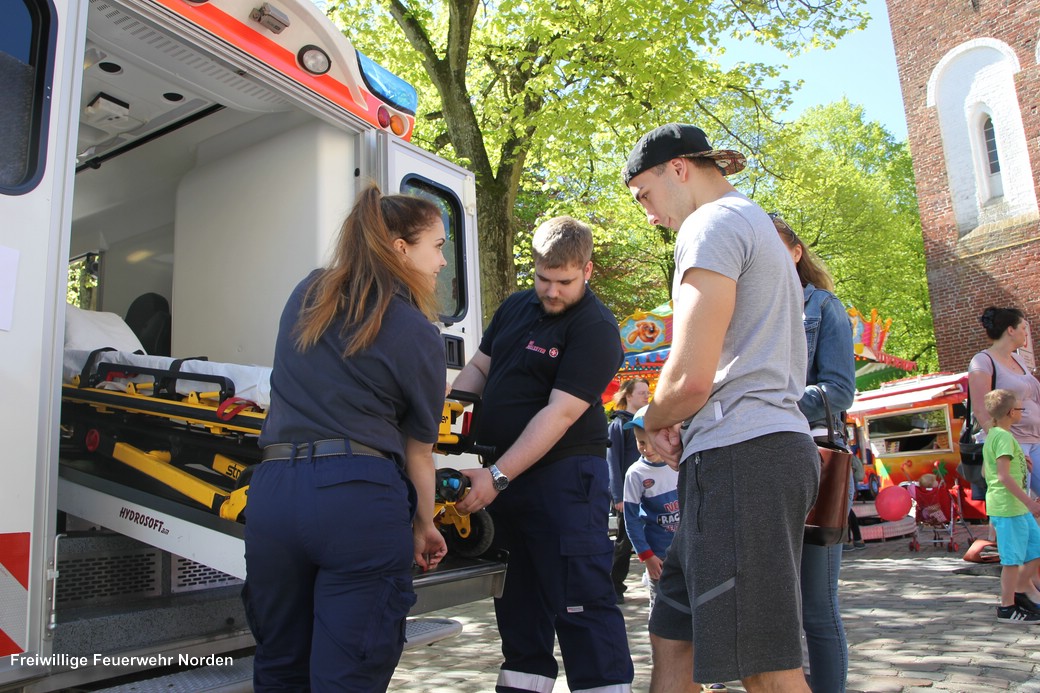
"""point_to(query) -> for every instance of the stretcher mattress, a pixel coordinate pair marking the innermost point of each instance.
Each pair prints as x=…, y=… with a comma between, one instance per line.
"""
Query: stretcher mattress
x=251, y=382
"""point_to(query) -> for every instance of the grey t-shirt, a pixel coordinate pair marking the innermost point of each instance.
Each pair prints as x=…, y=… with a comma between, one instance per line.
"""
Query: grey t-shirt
x=761, y=372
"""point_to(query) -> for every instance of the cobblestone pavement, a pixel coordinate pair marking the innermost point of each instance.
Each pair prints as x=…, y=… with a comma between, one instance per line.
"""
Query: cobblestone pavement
x=915, y=622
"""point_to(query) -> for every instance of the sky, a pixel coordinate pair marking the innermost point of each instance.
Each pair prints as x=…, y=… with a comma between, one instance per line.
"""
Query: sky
x=830, y=75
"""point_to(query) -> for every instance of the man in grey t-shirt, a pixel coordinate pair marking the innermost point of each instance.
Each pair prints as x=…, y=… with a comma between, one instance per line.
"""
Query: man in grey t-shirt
x=726, y=408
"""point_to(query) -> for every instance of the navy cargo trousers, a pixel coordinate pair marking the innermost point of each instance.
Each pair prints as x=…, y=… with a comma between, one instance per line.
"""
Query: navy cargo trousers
x=553, y=522
x=328, y=558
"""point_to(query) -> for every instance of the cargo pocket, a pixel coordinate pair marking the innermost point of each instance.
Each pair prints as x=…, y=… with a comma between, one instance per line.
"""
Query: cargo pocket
x=587, y=559
x=384, y=633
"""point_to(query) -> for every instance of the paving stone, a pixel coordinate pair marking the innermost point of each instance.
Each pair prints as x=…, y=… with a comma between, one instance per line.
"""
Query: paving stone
x=914, y=625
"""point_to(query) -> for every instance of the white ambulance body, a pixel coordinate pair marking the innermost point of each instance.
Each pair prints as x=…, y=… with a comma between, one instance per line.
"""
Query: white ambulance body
x=205, y=151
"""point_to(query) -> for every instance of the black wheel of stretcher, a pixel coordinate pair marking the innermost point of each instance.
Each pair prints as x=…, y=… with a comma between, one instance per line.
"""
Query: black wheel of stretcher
x=481, y=534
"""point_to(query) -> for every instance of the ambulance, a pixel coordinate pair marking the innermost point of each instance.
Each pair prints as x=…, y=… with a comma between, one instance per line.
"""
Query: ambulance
x=169, y=170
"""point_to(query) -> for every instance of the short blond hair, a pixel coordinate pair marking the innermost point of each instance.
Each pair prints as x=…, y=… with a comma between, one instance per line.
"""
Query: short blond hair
x=999, y=403
x=562, y=242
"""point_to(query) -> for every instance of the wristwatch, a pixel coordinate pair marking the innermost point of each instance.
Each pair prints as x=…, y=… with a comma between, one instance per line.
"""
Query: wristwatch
x=499, y=480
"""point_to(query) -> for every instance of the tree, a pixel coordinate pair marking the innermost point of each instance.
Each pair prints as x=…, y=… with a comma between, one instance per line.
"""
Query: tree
x=531, y=93
x=846, y=187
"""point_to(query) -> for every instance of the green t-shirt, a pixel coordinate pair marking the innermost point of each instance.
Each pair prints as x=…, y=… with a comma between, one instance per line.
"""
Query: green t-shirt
x=999, y=501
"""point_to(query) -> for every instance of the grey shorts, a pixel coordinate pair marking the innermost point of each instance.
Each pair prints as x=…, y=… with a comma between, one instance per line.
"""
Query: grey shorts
x=736, y=556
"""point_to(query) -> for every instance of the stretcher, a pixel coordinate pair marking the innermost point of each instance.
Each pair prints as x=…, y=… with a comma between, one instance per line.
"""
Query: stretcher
x=191, y=427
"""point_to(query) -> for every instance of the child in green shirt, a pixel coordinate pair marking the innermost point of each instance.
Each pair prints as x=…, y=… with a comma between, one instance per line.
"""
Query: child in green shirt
x=1011, y=511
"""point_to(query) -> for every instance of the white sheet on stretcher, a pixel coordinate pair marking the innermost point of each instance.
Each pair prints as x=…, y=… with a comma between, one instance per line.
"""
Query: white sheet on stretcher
x=251, y=382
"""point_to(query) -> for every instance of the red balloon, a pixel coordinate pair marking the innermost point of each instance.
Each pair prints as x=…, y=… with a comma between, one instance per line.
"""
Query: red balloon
x=893, y=503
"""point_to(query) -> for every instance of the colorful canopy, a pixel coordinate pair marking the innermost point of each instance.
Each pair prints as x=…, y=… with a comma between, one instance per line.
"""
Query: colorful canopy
x=646, y=337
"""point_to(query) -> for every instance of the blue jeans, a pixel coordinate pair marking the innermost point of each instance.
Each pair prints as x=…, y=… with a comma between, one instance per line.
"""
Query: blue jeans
x=821, y=619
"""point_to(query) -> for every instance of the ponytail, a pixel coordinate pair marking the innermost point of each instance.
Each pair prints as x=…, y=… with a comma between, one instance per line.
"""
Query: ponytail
x=366, y=271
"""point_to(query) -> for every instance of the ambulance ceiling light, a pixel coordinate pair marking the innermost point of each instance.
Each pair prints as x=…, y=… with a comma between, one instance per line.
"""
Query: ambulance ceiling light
x=388, y=86
x=92, y=56
x=109, y=114
x=314, y=60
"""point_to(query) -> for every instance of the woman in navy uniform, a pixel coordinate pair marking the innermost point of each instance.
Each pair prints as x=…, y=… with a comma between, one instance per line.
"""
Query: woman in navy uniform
x=343, y=502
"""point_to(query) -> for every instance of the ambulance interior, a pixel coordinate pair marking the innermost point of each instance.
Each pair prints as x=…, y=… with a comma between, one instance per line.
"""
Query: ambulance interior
x=198, y=184
x=201, y=185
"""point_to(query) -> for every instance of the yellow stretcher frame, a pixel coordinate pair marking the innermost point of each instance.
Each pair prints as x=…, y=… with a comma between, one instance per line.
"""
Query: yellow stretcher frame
x=201, y=411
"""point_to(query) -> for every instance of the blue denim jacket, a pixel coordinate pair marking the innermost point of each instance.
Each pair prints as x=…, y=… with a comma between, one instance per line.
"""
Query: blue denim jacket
x=832, y=360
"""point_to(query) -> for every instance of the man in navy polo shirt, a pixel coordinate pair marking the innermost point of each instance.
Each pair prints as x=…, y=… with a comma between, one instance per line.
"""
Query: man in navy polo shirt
x=542, y=365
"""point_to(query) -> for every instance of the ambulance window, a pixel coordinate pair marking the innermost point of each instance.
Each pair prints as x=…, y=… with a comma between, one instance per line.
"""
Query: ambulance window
x=26, y=35
x=451, y=282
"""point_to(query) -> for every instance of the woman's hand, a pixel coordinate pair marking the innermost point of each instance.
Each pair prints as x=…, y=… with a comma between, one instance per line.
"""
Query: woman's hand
x=429, y=546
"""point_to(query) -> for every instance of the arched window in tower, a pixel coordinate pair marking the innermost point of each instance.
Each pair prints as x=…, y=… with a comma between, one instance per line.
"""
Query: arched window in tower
x=991, y=146
x=989, y=140
x=988, y=172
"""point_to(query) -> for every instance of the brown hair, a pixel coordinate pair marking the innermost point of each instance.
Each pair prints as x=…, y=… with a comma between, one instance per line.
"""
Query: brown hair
x=366, y=270
x=561, y=242
x=999, y=403
x=625, y=391
x=811, y=269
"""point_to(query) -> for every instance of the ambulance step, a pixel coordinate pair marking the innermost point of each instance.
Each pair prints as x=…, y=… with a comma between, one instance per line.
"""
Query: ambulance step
x=239, y=675
x=426, y=631
x=235, y=678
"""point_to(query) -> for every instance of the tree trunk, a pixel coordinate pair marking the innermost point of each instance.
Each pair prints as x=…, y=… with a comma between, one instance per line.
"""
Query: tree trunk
x=497, y=265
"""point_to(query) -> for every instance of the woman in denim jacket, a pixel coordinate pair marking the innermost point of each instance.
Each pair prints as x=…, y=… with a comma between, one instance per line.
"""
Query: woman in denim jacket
x=832, y=366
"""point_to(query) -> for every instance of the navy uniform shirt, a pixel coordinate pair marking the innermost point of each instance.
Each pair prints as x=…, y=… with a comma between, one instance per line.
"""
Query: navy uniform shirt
x=378, y=396
x=533, y=353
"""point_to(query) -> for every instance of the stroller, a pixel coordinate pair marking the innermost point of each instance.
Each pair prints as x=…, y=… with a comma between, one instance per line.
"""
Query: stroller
x=937, y=508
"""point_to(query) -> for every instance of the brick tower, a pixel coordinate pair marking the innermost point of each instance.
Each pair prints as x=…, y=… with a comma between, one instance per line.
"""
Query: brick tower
x=970, y=78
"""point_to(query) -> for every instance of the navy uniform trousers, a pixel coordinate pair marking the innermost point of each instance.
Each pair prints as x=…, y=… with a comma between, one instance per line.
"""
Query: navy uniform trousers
x=553, y=522
x=329, y=554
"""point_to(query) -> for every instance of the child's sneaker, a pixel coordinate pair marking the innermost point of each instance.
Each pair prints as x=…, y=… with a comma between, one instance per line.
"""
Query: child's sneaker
x=1022, y=600
x=1016, y=614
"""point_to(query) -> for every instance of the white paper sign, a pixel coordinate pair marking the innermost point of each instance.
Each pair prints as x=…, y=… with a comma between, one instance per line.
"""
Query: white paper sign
x=8, y=277
x=1026, y=352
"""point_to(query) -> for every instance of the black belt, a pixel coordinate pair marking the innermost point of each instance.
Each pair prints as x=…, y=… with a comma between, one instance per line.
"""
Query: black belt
x=321, y=448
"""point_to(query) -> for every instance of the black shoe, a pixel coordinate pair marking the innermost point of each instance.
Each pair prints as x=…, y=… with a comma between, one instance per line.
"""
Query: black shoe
x=1016, y=614
x=1023, y=601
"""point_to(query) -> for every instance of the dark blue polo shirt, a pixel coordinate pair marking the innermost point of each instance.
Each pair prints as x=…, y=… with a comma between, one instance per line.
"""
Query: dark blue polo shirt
x=378, y=396
x=533, y=353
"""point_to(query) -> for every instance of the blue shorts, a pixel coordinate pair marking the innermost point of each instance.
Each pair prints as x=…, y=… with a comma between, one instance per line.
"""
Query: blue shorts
x=1018, y=538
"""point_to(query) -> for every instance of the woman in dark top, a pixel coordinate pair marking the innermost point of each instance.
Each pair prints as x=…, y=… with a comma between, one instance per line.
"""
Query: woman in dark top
x=343, y=502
